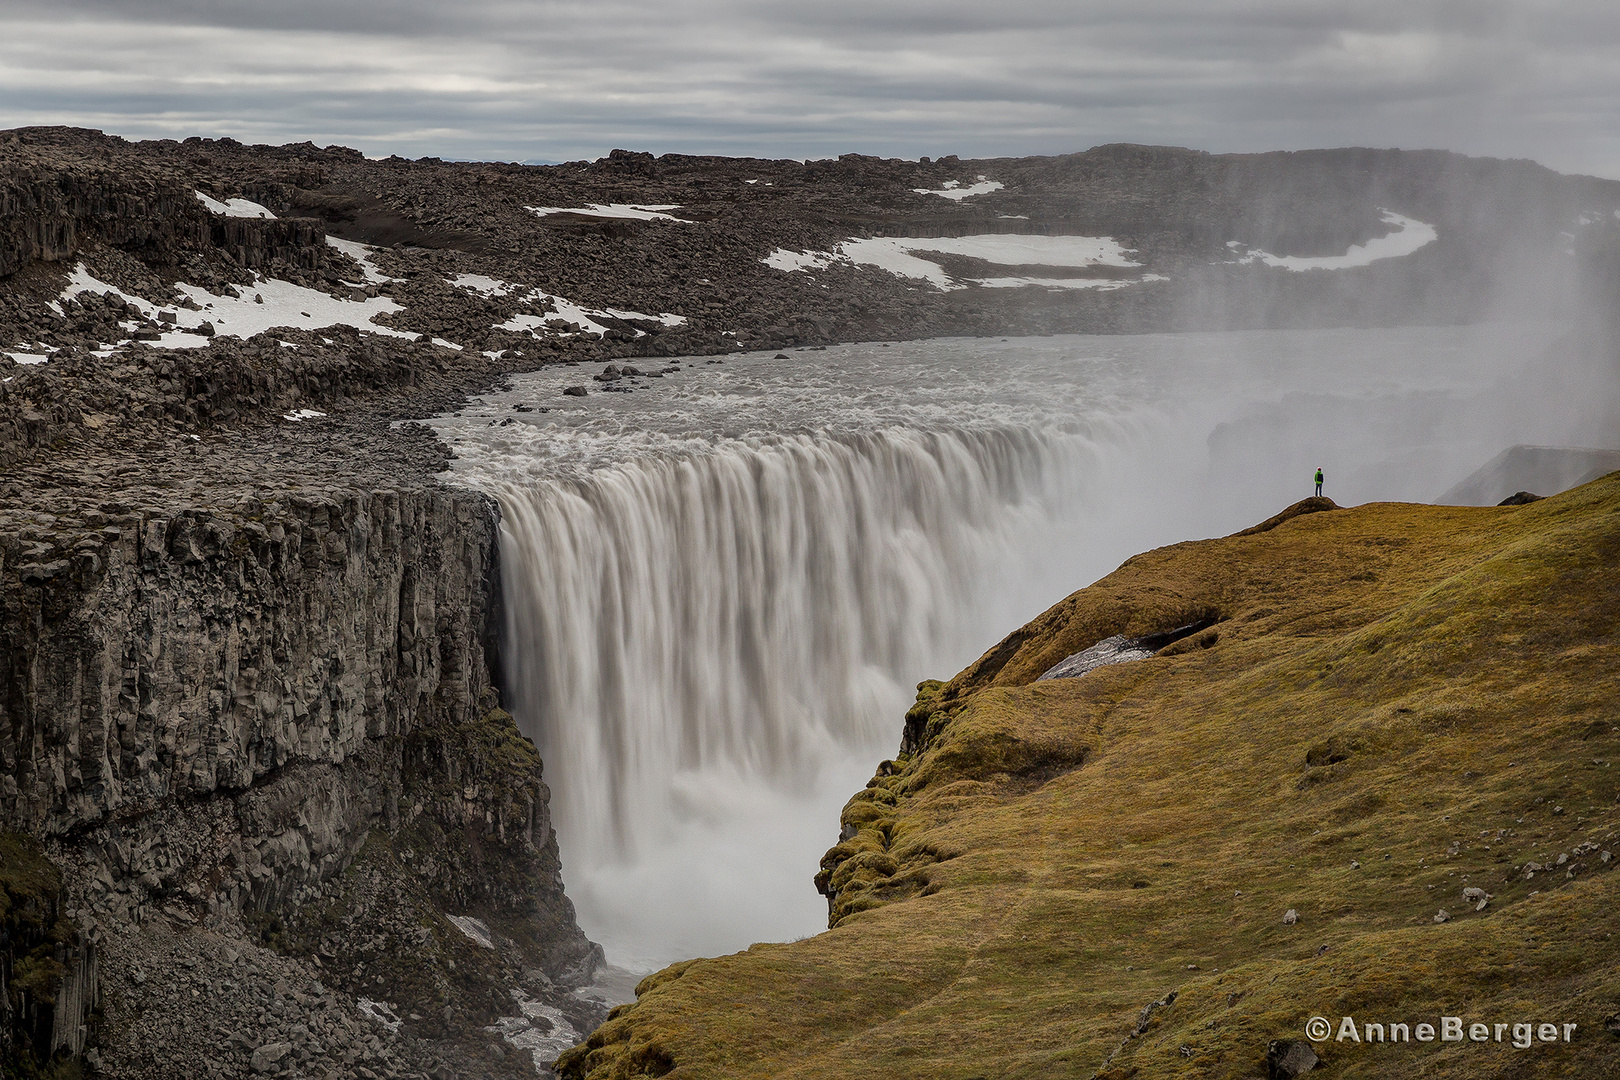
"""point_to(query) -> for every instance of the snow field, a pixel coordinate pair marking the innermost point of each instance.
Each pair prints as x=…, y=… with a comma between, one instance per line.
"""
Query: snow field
x=954, y=190
x=1409, y=236
x=898, y=255
x=244, y=208
x=613, y=210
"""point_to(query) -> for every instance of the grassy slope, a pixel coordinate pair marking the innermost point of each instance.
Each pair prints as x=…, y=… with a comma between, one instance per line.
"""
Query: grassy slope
x=1063, y=853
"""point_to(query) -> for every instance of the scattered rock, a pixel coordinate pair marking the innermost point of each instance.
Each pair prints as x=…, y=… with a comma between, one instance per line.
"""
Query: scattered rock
x=1290, y=917
x=1519, y=498
x=574, y=391
x=268, y=1057
x=1152, y=1007
x=1442, y=916
x=1289, y=1058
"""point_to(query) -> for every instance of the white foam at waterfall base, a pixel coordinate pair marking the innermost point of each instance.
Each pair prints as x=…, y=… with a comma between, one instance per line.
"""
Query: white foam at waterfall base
x=722, y=587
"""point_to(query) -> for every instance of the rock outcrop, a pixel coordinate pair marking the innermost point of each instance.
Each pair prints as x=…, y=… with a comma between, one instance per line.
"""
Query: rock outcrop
x=49, y=984
x=209, y=714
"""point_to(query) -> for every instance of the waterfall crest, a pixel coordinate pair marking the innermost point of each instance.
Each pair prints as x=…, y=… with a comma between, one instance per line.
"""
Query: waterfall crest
x=751, y=608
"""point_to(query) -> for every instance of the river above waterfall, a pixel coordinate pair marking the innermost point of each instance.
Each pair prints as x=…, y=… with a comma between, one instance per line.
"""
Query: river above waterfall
x=722, y=584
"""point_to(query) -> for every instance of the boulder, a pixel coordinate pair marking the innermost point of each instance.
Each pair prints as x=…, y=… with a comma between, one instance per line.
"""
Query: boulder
x=1289, y=1058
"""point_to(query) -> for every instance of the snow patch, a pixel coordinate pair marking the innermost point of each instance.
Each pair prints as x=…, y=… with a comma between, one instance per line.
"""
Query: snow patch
x=245, y=208
x=301, y=414
x=954, y=190
x=473, y=928
x=1409, y=235
x=789, y=261
x=381, y=1012
x=1099, y=284
x=566, y=310
x=899, y=256
x=284, y=304
x=27, y=358
x=361, y=253
x=653, y=212
x=663, y=317
x=485, y=286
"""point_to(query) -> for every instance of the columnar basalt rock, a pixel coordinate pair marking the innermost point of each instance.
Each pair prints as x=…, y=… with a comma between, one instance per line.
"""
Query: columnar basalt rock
x=207, y=713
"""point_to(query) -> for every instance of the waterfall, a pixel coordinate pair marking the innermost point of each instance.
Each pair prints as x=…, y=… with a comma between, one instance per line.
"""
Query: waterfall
x=722, y=588
x=682, y=628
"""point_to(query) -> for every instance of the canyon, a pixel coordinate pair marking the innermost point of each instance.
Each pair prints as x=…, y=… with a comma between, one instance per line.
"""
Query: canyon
x=265, y=809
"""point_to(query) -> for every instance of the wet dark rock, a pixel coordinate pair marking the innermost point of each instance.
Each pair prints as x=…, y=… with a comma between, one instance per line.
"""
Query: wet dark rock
x=1287, y=1059
x=575, y=391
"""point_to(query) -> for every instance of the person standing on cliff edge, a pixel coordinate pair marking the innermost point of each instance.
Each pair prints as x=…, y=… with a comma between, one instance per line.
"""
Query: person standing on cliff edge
x=1318, y=482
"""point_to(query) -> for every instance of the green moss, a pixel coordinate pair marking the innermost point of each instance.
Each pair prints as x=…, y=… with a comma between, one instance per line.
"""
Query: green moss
x=32, y=934
x=29, y=882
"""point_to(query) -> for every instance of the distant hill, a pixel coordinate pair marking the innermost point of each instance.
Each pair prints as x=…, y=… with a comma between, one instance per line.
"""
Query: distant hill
x=1539, y=470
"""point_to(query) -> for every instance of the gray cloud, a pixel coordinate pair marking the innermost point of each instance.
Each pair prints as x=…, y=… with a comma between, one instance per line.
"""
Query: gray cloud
x=538, y=79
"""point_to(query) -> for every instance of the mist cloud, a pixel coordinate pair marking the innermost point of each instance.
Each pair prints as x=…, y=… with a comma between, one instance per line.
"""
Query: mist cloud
x=520, y=79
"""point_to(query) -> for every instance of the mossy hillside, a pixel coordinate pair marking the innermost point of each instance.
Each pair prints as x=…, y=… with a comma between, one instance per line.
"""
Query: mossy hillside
x=1399, y=702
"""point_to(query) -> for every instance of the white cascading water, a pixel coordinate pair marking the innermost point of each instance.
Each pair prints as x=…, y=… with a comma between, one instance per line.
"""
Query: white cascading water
x=748, y=606
x=721, y=589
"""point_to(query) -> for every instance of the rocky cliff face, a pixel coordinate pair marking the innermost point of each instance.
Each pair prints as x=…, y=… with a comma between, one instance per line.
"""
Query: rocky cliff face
x=48, y=213
x=207, y=714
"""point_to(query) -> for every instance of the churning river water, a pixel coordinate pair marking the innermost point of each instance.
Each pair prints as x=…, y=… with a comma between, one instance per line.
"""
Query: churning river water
x=722, y=587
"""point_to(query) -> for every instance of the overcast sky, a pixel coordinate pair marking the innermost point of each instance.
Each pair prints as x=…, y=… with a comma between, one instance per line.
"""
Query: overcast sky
x=548, y=80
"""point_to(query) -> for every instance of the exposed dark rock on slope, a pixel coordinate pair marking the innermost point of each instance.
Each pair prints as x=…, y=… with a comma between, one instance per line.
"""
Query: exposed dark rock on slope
x=1189, y=219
